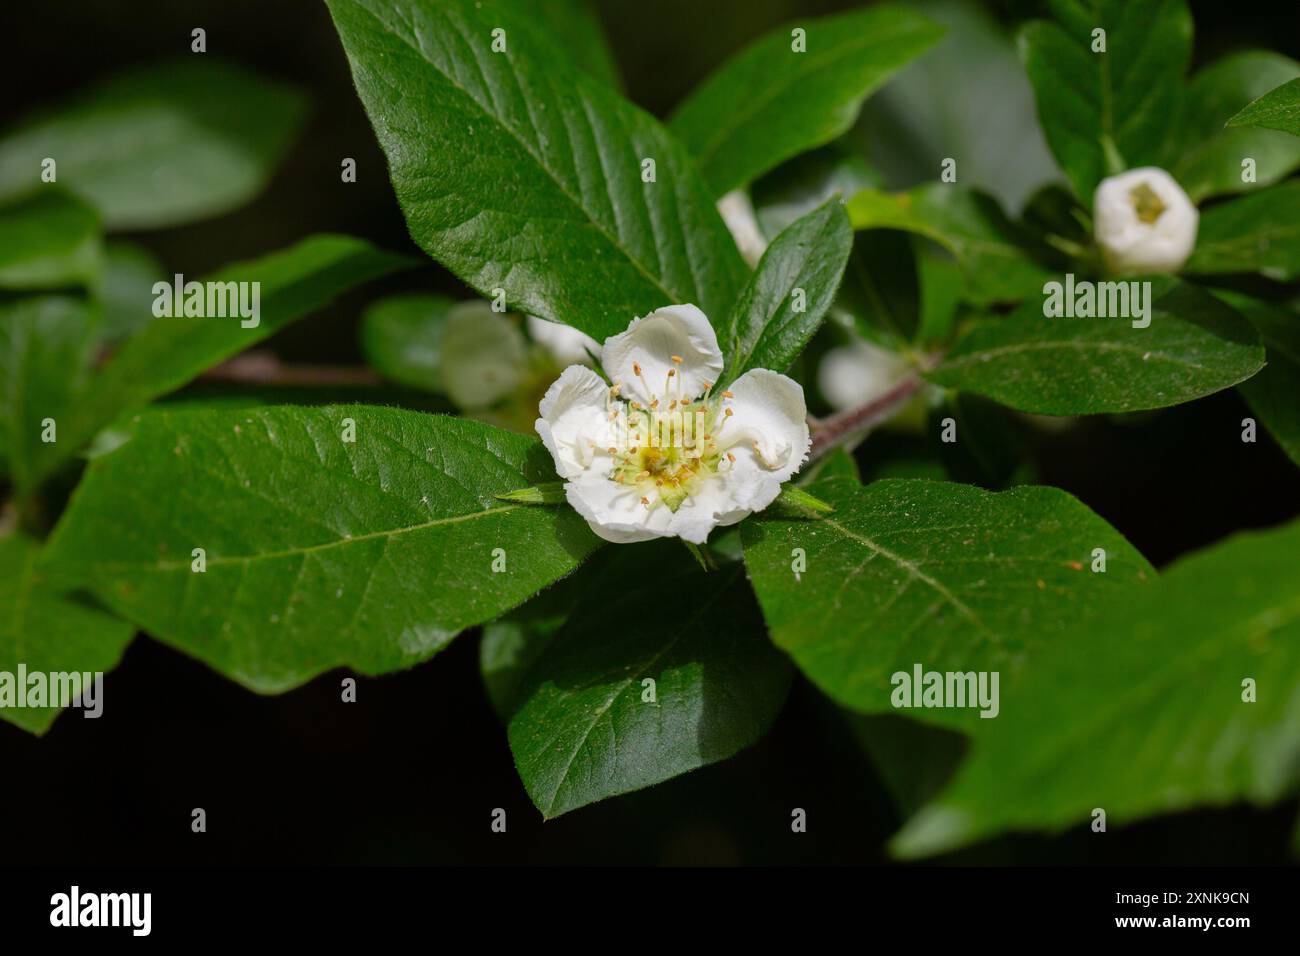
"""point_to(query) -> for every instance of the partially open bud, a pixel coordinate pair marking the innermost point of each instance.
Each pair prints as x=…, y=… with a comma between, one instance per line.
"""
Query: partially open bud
x=1144, y=222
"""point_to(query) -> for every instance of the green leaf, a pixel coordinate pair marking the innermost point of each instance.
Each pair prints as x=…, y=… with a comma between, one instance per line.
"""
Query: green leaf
x=549, y=493
x=517, y=173
x=47, y=240
x=1274, y=396
x=125, y=289
x=161, y=144
x=797, y=187
x=575, y=30
x=1106, y=112
x=770, y=101
x=881, y=289
x=999, y=258
x=1209, y=161
x=914, y=760
x=1140, y=711
x=320, y=553
x=401, y=336
x=48, y=632
x=968, y=99
x=1259, y=232
x=174, y=349
x=513, y=642
x=947, y=576
x=1195, y=345
x=46, y=348
x=1277, y=109
x=788, y=295
x=585, y=729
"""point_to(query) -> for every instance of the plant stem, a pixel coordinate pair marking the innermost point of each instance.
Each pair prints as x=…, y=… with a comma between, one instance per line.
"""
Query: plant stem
x=828, y=433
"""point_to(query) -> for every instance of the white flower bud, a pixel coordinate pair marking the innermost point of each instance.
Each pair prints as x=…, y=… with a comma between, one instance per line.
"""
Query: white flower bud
x=858, y=373
x=1144, y=222
x=738, y=213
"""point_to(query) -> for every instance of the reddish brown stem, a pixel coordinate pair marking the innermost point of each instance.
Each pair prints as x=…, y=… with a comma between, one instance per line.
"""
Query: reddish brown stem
x=827, y=433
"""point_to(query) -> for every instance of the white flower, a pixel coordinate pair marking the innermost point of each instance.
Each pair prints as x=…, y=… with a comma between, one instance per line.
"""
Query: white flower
x=660, y=454
x=482, y=355
x=563, y=343
x=1144, y=222
x=738, y=214
x=855, y=374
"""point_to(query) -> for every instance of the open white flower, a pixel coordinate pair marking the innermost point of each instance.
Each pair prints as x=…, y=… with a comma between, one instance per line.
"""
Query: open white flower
x=660, y=453
x=858, y=373
x=1144, y=222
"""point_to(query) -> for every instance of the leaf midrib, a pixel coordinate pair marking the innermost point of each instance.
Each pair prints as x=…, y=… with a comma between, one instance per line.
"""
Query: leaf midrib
x=599, y=227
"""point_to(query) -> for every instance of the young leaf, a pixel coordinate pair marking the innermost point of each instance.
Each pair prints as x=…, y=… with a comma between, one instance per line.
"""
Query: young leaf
x=788, y=295
x=174, y=349
x=1144, y=709
x=798, y=87
x=46, y=347
x=590, y=726
x=521, y=175
x=48, y=632
x=1107, y=111
x=401, y=337
x=319, y=552
x=948, y=576
x=1000, y=261
x=47, y=240
x=161, y=144
x=1195, y=345
x=1256, y=233
x=1276, y=109
x=1210, y=158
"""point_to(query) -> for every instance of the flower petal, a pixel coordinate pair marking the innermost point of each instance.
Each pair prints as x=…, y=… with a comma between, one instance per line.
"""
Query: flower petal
x=615, y=511
x=575, y=424
x=483, y=355
x=564, y=343
x=769, y=425
x=651, y=342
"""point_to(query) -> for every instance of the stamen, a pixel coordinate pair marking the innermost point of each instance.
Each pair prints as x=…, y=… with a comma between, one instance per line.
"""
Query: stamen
x=677, y=359
x=727, y=394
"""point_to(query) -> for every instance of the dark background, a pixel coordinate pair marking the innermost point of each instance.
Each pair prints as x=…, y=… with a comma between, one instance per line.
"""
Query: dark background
x=412, y=771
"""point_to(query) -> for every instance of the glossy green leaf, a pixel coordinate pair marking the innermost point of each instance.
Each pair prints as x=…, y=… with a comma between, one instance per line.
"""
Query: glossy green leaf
x=48, y=239
x=1106, y=112
x=1195, y=345
x=401, y=336
x=947, y=576
x=1259, y=232
x=320, y=552
x=589, y=727
x=125, y=290
x=1276, y=109
x=1140, y=710
x=772, y=101
x=1210, y=158
x=160, y=144
x=797, y=187
x=788, y=295
x=1000, y=259
x=517, y=173
x=48, y=632
x=575, y=29
x=46, y=347
x=174, y=349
